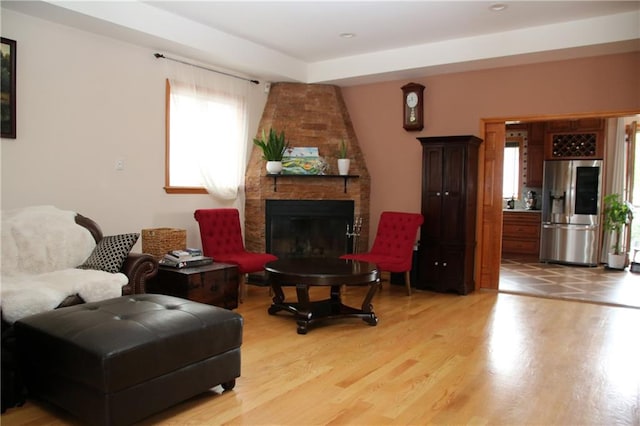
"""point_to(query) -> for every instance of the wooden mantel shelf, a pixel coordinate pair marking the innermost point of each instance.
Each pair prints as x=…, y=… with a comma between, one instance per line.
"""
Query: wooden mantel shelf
x=344, y=177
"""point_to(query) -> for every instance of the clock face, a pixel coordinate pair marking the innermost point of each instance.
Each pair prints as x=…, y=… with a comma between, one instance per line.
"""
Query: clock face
x=412, y=99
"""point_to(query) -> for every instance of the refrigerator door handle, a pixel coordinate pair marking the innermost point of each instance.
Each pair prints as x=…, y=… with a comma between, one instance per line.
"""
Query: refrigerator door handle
x=570, y=200
x=572, y=227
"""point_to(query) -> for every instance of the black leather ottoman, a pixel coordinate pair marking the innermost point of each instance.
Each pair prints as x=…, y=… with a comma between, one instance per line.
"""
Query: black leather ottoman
x=119, y=360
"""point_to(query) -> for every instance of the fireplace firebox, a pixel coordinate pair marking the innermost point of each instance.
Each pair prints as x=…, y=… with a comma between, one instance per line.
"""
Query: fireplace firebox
x=308, y=228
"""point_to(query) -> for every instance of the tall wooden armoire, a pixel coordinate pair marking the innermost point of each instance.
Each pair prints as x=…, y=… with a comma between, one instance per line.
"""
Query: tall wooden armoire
x=449, y=203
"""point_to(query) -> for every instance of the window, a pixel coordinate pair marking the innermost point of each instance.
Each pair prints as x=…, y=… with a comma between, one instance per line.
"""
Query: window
x=206, y=141
x=511, y=175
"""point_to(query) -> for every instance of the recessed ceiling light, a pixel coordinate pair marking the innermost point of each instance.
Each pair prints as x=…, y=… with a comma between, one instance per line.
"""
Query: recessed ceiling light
x=497, y=7
x=347, y=35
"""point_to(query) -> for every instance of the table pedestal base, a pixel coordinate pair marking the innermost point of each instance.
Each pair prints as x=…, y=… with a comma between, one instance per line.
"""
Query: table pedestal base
x=307, y=312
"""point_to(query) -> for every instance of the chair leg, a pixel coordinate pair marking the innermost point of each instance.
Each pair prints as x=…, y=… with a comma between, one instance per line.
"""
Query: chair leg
x=407, y=282
x=384, y=276
x=242, y=288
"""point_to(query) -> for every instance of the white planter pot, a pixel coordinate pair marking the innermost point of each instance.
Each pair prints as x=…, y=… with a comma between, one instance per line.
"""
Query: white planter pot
x=343, y=166
x=617, y=261
x=274, y=167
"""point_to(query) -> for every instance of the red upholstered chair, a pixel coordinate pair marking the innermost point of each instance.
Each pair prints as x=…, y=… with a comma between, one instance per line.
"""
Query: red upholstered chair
x=392, y=249
x=221, y=238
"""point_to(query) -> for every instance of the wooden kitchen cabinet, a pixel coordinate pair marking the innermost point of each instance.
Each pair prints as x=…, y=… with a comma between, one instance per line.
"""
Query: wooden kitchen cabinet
x=579, y=125
x=521, y=233
x=581, y=139
x=535, y=155
x=449, y=191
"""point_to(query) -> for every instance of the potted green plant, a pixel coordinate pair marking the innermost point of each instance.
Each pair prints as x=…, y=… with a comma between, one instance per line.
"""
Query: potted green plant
x=343, y=161
x=273, y=148
x=617, y=214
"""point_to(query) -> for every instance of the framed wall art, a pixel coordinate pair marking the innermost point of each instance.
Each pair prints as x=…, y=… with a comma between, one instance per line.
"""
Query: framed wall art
x=8, y=86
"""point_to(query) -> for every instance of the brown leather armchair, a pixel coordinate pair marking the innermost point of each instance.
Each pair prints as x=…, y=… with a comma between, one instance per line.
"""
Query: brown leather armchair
x=138, y=267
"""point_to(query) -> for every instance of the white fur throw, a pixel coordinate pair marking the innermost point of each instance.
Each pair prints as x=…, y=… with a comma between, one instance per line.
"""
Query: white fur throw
x=42, y=239
x=31, y=294
x=41, y=246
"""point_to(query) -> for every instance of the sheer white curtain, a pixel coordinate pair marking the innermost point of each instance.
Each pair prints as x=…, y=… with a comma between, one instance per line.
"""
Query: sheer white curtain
x=207, y=104
x=616, y=168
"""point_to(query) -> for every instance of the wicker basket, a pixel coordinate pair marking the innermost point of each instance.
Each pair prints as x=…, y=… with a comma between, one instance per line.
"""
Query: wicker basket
x=158, y=241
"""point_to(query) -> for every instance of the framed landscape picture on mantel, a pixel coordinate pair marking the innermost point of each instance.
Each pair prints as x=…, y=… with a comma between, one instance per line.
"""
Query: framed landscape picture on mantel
x=8, y=85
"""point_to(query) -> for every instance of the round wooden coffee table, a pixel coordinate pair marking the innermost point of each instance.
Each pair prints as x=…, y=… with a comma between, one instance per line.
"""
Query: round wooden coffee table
x=304, y=273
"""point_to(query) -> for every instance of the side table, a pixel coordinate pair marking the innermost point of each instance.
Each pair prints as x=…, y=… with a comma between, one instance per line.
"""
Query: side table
x=215, y=284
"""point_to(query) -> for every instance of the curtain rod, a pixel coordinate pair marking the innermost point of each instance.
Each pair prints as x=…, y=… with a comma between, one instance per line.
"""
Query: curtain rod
x=160, y=55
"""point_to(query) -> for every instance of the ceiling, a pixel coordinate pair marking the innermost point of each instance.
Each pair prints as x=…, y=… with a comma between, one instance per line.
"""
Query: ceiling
x=300, y=40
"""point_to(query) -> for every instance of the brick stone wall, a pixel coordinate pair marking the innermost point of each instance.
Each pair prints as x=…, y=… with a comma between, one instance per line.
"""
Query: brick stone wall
x=311, y=115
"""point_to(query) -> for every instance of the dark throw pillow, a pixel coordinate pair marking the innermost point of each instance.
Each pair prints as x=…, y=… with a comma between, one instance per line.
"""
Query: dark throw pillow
x=110, y=253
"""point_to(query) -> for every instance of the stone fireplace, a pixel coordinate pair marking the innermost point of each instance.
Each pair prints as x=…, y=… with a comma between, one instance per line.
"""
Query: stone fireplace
x=311, y=115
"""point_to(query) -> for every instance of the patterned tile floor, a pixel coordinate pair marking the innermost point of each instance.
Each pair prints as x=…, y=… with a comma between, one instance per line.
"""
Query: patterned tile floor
x=597, y=285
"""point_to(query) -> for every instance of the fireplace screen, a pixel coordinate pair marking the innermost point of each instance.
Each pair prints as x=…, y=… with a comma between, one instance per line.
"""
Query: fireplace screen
x=308, y=228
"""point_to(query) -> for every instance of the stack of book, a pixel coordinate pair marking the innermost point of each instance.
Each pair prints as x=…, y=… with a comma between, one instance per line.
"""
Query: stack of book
x=185, y=258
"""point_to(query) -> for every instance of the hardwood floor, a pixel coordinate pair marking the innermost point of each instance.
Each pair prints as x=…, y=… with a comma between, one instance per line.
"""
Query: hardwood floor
x=485, y=358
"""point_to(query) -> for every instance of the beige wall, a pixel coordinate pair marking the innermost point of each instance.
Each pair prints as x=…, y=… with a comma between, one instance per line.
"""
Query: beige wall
x=456, y=103
x=85, y=101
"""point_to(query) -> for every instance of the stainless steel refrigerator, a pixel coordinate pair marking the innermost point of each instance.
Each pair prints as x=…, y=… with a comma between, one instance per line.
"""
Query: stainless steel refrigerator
x=570, y=231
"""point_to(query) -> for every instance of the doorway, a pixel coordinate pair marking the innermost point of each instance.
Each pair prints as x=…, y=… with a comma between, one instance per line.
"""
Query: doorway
x=490, y=198
x=634, y=188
